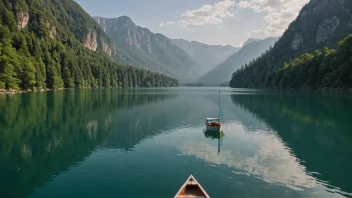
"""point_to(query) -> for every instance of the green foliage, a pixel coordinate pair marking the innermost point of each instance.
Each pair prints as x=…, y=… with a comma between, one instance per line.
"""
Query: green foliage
x=32, y=59
x=330, y=68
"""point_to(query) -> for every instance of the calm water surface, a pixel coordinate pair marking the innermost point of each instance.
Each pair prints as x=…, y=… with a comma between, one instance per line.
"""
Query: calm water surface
x=146, y=142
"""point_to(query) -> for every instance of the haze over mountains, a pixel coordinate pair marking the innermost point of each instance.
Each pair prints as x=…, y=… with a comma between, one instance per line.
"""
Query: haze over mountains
x=142, y=48
x=252, y=49
x=208, y=56
x=185, y=60
x=176, y=57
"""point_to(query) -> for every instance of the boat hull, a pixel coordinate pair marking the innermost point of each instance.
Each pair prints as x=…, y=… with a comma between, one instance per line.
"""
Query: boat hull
x=214, y=128
x=191, y=189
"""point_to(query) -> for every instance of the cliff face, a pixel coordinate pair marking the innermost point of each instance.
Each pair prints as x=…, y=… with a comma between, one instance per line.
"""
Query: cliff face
x=93, y=38
x=90, y=41
x=321, y=23
x=94, y=41
x=22, y=19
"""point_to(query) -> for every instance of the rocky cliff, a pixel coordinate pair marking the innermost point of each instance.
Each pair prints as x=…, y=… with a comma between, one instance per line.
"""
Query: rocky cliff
x=22, y=19
x=320, y=23
x=95, y=40
x=80, y=24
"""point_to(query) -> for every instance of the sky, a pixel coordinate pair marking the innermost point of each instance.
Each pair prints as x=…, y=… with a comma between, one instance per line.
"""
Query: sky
x=215, y=22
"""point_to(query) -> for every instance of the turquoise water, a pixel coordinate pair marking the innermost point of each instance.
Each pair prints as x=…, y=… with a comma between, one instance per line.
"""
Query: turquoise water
x=146, y=142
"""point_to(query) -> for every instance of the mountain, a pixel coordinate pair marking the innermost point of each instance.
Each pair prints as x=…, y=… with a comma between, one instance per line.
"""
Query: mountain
x=141, y=47
x=223, y=72
x=55, y=44
x=321, y=23
x=207, y=56
x=250, y=40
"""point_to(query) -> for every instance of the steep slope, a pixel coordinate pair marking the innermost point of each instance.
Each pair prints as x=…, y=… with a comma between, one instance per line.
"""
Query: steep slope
x=320, y=23
x=55, y=44
x=207, y=56
x=329, y=69
x=141, y=47
x=223, y=72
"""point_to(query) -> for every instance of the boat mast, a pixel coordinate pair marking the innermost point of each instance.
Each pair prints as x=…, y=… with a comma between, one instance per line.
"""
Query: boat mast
x=219, y=107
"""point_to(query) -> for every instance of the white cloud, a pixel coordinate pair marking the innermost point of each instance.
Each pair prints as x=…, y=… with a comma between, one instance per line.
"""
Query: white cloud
x=207, y=14
x=279, y=14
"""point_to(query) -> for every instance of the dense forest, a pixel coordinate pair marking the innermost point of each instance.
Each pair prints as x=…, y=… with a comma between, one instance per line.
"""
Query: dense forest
x=48, y=52
x=327, y=68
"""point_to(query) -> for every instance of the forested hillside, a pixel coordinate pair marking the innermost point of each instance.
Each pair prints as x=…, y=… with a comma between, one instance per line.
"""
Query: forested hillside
x=55, y=44
x=321, y=23
x=327, y=68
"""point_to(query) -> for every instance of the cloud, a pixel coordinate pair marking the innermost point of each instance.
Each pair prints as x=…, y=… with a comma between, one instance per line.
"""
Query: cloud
x=207, y=14
x=279, y=14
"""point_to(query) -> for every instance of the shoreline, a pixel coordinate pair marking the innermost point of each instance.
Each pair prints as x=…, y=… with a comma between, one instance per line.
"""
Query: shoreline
x=13, y=92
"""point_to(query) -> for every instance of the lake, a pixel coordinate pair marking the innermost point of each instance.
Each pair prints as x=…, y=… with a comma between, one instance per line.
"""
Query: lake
x=146, y=142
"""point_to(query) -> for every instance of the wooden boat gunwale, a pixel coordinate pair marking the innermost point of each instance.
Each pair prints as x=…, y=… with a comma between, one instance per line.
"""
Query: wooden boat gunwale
x=195, y=183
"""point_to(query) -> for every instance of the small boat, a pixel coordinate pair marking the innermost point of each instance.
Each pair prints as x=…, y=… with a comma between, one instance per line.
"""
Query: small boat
x=213, y=124
x=191, y=189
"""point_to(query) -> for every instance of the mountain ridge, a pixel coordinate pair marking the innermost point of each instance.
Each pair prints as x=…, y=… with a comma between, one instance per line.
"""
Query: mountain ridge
x=141, y=47
x=208, y=56
x=223, y=72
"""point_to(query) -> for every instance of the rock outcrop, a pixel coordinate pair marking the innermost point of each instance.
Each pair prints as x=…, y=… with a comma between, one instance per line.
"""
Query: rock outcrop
x=52, y=31
x=22, y=19
x=327, y=28
x=108, y=49
x=297, y=42
x=90, y=41
x=96, y=41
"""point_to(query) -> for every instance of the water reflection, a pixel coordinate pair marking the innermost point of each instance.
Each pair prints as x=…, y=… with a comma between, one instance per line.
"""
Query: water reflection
x=276, y=145
x=316, y=128
x=265, y=157
x=215, y=135
x=43, y=134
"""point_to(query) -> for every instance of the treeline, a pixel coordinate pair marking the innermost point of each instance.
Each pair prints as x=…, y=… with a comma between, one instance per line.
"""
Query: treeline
x=48, y=52
x=328, y=68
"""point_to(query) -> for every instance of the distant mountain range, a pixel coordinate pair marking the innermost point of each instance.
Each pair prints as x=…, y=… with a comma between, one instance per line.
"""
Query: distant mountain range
x=252, y=49
x=144, y=49
x=179, y=58
x=207, y=56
